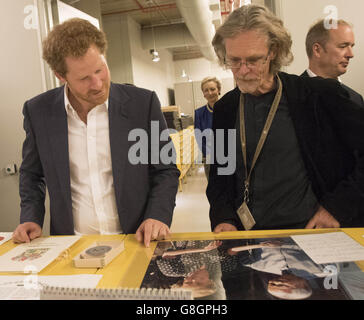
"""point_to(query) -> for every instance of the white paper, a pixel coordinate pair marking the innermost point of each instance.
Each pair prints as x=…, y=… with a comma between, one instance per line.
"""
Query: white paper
x=5, y=236
x=36, y=255
x=28, y=287
x=330, y=247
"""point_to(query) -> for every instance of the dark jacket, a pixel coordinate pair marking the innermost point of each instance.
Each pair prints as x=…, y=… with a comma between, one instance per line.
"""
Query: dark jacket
x=142, y=191
x=353, y=95
x=329, y=129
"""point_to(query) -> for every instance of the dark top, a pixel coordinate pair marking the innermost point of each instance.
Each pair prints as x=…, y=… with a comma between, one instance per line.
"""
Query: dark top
x=203, y=120
x=279, y=182
x=330, y=131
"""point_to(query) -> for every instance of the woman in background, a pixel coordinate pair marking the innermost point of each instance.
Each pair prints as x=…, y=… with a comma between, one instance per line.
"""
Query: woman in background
x=211, y=89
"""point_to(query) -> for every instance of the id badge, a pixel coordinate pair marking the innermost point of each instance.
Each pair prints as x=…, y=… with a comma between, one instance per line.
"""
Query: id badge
x=245, y=216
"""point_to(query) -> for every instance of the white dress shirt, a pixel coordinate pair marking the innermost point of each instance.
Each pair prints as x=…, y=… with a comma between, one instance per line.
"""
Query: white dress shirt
x=287, y=257
x=313, y=75
x=92, y=185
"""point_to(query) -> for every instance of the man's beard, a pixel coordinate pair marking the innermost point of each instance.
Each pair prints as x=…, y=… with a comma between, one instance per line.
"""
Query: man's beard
x=95, y=99
x=250, y=86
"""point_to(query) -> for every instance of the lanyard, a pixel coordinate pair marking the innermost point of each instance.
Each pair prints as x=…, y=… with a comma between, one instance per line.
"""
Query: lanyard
x=263, y=135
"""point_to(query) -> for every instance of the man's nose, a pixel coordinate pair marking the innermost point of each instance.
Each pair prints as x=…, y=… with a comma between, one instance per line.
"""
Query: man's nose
x=350, y=53
x=96, y=83
x=243, y=69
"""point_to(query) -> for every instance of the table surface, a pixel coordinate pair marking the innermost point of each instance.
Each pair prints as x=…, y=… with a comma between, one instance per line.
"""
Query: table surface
x=128, y=269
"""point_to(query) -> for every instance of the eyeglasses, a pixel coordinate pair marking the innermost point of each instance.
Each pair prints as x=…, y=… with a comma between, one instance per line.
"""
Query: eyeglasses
x=251, y=64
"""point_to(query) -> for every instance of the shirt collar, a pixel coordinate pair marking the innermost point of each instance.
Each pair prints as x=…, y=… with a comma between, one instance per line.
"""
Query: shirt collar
x=68, y=106
x=209, y=108
x=312, y=74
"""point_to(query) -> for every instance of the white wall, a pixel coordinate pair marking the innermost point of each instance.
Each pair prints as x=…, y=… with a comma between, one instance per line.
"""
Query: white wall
x=156, y=76
x=299, y=15
x=21, y=79
x=119, y=53
x=188, y=94
x=197, y=69
x=130, y=63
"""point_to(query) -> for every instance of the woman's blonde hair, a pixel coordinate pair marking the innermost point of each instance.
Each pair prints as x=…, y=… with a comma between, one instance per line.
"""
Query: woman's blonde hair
x=213, y=79
x=259, y=18
x=72, y=38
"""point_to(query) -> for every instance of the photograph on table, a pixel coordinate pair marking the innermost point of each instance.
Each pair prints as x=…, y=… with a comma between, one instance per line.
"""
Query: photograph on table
x=250, y=269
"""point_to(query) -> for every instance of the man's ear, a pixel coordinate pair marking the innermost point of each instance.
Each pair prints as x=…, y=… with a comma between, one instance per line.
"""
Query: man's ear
x=60, y=78
x=272, y=52
x=316, y=50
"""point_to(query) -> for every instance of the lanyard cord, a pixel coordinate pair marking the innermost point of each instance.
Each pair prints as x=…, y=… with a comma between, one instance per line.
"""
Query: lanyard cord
x=263, y=135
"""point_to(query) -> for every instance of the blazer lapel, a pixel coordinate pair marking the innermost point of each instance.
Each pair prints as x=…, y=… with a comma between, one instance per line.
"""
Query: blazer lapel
x=305, y=74
x=57, y=128
x=119, y=128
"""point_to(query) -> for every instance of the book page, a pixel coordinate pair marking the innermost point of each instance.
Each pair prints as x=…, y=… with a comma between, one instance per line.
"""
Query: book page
x=5, y=236
x=36, y=255
x=330, y=247
x=28, y=287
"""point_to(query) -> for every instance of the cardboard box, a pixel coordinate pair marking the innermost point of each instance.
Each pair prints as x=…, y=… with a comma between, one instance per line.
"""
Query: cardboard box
x=99, y=254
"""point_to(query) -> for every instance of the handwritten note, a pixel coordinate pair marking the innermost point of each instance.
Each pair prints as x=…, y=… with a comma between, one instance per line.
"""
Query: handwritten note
x=330, y=247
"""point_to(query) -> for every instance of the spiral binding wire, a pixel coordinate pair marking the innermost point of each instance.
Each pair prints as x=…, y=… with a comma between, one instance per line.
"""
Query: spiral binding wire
x=74, y=293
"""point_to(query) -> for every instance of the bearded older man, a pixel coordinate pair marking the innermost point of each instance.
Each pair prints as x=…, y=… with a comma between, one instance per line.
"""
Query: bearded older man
x=296, y=137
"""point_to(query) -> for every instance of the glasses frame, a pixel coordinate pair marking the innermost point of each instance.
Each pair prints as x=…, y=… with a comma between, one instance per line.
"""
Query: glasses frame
x=250, y=65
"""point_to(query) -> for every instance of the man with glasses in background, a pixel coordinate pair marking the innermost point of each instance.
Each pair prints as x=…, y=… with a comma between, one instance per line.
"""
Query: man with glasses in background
x=295, y=137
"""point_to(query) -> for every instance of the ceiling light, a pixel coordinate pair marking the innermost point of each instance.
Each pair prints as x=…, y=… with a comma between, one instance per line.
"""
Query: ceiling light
x=155, y=55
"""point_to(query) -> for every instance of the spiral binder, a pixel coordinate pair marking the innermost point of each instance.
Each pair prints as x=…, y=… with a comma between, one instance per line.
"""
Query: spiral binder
x=73, y=293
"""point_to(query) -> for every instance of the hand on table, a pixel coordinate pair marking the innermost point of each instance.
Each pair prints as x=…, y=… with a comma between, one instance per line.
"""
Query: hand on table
x=224, y=227
x=26, y=232
x=322, y=219
x=152, y=229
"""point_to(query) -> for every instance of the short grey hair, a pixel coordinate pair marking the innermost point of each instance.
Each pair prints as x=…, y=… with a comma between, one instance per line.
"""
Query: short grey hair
x=256, y=17
x=319, y=33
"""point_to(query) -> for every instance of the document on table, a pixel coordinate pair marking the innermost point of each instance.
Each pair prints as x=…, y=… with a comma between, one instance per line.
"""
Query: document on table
x=330, y=247
x=28, y=287
x=36, y=255
x=5, y=236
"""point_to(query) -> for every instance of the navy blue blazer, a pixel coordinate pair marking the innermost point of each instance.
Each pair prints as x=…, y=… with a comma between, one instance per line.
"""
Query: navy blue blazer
x=203, y=121
x=142, y=191
x=353, y=95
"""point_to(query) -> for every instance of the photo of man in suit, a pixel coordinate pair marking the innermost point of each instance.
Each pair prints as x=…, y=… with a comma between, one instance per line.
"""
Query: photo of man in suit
x=77, y=146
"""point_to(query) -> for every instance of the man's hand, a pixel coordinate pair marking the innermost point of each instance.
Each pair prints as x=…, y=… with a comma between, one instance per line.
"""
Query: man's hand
x=322, y=219
x=26, y=232
x=224, y=227
x=152, y=229
x=213, y=245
